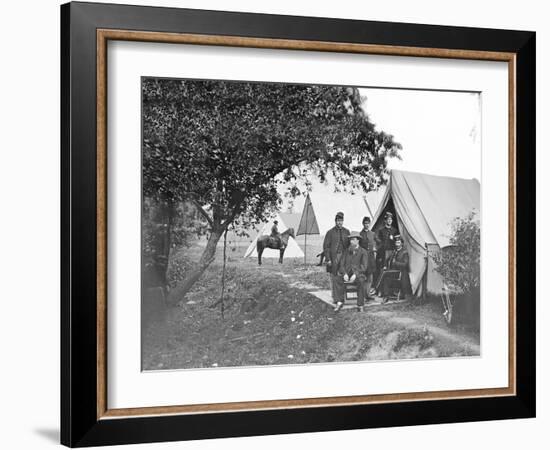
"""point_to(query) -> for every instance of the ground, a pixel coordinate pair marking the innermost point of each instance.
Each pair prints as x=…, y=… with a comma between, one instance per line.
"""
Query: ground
x=270, y=317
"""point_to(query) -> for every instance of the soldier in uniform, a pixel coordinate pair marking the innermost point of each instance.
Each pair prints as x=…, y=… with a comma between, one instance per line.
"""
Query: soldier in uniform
x=385, y=241
x=352, y=269
x=399, y=260
x=368, y=242
x=334, y=245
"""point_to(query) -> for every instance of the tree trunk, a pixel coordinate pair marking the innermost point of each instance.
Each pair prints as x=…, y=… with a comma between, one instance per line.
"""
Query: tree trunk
x=193, y=275
x=163, y=219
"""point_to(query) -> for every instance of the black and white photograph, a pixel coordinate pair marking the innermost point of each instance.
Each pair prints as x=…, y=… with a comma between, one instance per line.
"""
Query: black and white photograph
x=300, y=224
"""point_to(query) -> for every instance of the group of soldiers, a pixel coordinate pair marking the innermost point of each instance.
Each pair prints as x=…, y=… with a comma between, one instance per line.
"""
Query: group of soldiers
x=360, y=257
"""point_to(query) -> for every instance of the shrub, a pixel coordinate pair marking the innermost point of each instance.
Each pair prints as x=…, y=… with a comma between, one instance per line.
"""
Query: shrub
x=459, y=264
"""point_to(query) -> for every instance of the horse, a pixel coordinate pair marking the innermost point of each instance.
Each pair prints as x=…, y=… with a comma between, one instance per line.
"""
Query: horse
x=266, y=241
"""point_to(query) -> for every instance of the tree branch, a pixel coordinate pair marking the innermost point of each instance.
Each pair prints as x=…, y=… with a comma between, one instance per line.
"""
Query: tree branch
x=203, y=213
x=233, y=214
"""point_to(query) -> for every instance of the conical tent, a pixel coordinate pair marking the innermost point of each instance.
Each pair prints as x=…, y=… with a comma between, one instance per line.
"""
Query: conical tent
x=291, y=219
x=425, y=206
x=293, y=250
x=320, y=209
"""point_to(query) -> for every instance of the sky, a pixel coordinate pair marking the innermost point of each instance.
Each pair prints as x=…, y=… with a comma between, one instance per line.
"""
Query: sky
x=440, y=132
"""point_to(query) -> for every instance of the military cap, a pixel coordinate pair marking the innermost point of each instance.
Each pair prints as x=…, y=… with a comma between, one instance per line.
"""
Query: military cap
x=339, y=215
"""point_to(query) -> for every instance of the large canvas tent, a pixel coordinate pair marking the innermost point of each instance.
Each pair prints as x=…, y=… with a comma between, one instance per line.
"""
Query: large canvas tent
x=373, y=199
x=425, y=206
x=293, y=250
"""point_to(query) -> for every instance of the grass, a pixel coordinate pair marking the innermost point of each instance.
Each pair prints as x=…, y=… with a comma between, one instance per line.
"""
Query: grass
x=270, y=318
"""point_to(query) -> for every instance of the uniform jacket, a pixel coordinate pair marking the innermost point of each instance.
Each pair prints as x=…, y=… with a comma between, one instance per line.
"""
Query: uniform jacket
x=384, y=239
x=334, y=245
x=368, y=242
x=399, y=260
x=354, y=262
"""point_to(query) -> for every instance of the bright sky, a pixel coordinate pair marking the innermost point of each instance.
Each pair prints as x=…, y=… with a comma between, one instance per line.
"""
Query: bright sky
x=439, y=131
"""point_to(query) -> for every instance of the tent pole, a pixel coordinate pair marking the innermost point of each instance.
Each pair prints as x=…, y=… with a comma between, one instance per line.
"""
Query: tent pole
x=307, y=226
x=305, y=248
x=425, y=277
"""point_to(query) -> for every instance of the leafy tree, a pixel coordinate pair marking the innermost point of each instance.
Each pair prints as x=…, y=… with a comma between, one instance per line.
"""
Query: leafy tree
x=228, y=146
x=459, y=264
x=165, y=227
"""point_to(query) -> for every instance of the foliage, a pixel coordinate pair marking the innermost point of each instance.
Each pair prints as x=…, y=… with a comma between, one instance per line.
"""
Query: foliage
x=165, y=227
x=459, y=264
x=185, y=223
x=228, y=145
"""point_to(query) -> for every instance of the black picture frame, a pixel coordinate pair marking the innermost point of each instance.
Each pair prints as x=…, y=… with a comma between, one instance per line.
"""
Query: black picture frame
x=80, y=425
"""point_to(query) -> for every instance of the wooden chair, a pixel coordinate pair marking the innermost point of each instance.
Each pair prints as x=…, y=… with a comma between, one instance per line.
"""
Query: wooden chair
x=393, y=278
x=350, y=292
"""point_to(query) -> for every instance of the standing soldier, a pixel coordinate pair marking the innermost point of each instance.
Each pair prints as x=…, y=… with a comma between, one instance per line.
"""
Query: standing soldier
x=368, y=242
x=385, y=243
x=334, y=245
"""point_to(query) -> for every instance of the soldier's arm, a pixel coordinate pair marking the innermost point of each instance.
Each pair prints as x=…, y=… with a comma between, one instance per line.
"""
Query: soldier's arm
x=378, y=238
x=326, y=245
x=364, y=262
x=404, y=263
x=342, y=266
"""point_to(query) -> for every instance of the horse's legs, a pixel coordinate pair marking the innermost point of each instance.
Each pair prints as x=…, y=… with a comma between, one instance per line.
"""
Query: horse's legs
x=281, y=253
x=259, y=250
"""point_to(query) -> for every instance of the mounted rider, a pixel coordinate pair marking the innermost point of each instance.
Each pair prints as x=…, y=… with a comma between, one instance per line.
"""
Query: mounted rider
x=275, y=235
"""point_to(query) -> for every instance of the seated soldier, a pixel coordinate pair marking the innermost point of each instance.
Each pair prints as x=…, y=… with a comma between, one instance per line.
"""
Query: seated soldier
x=352, y=269
x=398, y=261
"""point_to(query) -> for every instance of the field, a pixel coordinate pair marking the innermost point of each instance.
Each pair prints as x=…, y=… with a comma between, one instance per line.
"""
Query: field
x=270, y=317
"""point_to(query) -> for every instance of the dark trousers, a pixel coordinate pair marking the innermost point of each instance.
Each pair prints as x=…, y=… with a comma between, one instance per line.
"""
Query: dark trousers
x=368, y=284
x=334, y=289
x=390, y=282
x=381, y=260
x=338, y=287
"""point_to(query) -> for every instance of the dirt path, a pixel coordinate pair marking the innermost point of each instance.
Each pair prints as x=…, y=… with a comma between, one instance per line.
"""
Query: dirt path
x=409, y=318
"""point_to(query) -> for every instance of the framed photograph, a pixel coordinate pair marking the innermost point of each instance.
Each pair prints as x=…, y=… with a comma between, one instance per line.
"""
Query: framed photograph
x=277, y=224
